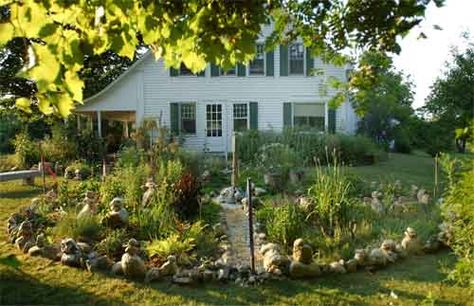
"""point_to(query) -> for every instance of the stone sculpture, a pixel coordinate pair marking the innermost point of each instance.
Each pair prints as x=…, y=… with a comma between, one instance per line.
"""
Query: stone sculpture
x=273, y=261
x=410, y=243
x=71, y=253
x=25, y=236
x=169, y=268
x=384, y=254
x=302, y=264
x=131, y=264
x=375, y=202
x=150, y=190
x=423, y=196
x=90, y=205
x=117, y=216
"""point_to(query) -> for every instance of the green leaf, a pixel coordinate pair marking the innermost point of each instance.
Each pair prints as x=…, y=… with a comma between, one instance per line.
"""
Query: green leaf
x=64, y=104
x=47, y=30
x=44, y=105
x=6, y=33
x=47, y=66
x=74, y=85
x=23, y=104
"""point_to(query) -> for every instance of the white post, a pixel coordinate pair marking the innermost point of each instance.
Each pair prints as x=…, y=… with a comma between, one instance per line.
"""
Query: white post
x=99, y=124
x=78, y=122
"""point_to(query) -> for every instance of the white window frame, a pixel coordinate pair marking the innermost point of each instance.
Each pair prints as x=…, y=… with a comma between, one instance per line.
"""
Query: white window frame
x=215, y=120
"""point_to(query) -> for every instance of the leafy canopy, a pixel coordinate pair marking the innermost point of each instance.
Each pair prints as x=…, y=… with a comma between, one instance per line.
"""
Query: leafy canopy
x=195, y=32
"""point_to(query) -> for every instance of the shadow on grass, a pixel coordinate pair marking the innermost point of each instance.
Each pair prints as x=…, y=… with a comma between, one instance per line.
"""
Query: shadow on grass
x=18, y=288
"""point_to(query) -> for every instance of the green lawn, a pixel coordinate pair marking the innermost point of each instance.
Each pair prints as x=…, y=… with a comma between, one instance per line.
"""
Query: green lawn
x=415, y=281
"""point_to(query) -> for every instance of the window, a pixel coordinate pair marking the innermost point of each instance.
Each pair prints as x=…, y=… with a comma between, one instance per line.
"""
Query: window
x=309, y=115
x=296, y=58
x=184, y=71
x=240, y=117
x=257, y=65
x=188, y=118
x=214, y=120
x=232, y=71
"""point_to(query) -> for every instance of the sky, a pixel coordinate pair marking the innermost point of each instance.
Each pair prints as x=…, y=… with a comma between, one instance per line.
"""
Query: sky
x=424, y=59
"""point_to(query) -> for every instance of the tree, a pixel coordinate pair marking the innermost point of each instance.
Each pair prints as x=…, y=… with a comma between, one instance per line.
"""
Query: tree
x=452, y=97
x=385, y=103
x=195, y=32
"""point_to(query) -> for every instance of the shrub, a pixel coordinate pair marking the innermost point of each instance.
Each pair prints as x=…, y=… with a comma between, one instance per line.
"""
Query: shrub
x=458, y=211
x=60, y=147
x=186, y=197
x=283, y=224
x=130, y=157
x=84, y=170
x=7, y=162
x=26, y=150
x=308, y=146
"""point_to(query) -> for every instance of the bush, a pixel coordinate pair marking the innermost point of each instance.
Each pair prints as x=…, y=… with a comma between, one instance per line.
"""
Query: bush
x=308, y=146
x=458, y=211
x=130, y=157
x=85, y=170
x=283, y=224
x=186, y=197
x=60, y=147
x=26, y=150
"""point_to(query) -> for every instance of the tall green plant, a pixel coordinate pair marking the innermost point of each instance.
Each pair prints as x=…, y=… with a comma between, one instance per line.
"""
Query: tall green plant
x=330, y=194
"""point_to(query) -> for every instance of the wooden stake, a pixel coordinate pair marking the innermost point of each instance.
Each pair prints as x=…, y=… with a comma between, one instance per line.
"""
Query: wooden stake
x=235, y=170
x=42, y=167
x=249, y=198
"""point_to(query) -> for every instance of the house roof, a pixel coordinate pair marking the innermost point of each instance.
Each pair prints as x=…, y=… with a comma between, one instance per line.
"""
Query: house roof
x=114, y=82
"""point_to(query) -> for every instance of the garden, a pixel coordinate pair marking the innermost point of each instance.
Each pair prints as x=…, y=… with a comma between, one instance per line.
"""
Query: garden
x=324, y=207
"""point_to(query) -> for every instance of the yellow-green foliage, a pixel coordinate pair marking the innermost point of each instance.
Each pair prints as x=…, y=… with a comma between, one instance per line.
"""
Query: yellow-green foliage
x=458, y=211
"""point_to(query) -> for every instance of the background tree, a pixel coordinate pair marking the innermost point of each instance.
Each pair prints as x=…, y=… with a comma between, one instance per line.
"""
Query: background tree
x=384, y=103
x=451, y=101
x=195, y=32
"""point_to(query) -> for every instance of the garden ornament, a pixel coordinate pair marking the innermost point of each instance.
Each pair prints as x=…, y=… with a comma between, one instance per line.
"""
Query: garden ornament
x=71, y=253
x=90, y=205
x=273, y=261
x=169, y=268
x=147, y=196
x=118, y=215
x=410, y=243
x=131, y=264
x=302, y=265
x=25, y=236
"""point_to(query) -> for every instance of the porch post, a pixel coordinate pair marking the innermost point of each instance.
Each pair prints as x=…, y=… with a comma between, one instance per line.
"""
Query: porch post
x=99, y=124
x=127, y=135
x=78, y=118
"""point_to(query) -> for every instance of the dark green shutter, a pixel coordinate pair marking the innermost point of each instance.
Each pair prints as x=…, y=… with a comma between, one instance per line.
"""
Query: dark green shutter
x=287, y=115
x=270, y=63
x=174, y=118
x=309, y=62
x=202, y=73
x=283, y=60
x=241, y=69
x=214, y=70
x=253, y=115
x=174, y=72
x=332, y=121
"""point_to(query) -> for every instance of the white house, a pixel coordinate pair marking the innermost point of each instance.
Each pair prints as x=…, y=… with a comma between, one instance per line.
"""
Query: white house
x=277, y=89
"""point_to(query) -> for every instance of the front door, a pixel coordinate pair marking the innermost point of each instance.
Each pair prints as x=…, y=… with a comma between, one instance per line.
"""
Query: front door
x=215, y=129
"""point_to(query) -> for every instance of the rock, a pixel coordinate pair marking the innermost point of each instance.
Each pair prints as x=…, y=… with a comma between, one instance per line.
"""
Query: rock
x=152, y=274
x=218, y=229
x=183, y=280
x=302, y=252
x=98, y=263
x=423, y=196
x=301, y=270
x=351, y=265
x=117, y=268
x=208, y=275
x=361, y=257
x=84, y=247
x=239, y=281
x=273, y=260
x=35, y=251
x=410, y=243
x=170, y=267
x=71, y=253
x=304, y=202
x=337, y=267
x=377, y=257
x=223, y=274
x=432, y=245
x=252, y=280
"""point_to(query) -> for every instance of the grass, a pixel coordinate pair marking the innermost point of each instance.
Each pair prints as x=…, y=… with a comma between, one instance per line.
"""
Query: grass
x=409, y=169
x=415, y=281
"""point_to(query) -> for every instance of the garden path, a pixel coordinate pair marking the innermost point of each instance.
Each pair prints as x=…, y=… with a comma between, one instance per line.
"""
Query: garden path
x=238, y=233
